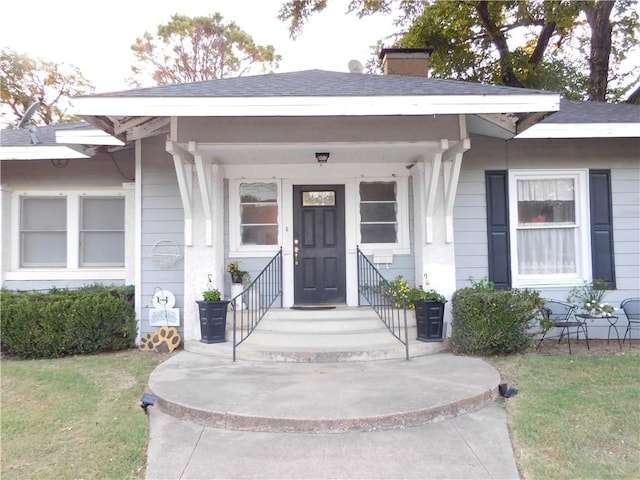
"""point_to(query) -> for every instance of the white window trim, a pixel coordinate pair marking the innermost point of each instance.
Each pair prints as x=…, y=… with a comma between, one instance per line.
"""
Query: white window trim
x=402, y=246
x=72, y=271
x=583, y=241
x=236, y=249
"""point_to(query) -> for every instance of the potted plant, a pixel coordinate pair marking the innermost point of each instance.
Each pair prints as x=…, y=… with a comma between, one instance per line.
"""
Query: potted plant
x=239, y=279
x=238, y=276
x=428, y=306
x=590, y=298
x=213, y=316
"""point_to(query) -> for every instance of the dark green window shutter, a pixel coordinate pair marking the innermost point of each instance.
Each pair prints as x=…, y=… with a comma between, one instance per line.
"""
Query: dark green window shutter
x=498, y=228
x=602, y=258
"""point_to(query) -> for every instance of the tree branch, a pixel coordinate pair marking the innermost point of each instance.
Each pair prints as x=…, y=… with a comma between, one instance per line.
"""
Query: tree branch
x=543, y=42
x=598, y=13
x=498, y=39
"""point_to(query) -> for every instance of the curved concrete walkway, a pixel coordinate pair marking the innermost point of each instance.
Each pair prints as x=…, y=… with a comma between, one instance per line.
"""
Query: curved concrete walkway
x=430, y=417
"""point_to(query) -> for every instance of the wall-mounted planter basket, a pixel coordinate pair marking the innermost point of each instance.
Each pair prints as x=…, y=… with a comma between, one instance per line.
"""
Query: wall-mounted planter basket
x=165, y=253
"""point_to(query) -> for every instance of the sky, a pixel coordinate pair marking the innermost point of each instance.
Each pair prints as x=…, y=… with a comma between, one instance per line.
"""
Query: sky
x=96, y=36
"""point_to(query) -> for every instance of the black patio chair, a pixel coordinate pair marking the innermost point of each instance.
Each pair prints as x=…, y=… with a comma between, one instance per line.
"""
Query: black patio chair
x=631, y=309
x=562, y=315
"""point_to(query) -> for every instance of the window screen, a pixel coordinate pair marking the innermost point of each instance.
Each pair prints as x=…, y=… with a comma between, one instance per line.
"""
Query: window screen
x=378, y=212
x=259, y=213
x=102, y=232
x=43, y=232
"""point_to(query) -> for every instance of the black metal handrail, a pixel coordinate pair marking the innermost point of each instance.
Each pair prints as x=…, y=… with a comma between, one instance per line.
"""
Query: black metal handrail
x=377, y=291
x=251, y=305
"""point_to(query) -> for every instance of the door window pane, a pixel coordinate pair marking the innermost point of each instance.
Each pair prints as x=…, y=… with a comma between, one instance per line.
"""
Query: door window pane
x=318, y=199
x=43, y=232
x=102, y=232
x=259, y=213
x=378, y=212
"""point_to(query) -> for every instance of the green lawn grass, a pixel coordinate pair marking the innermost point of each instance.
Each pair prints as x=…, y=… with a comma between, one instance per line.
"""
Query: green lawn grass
x=575, y=417
x=75, y=417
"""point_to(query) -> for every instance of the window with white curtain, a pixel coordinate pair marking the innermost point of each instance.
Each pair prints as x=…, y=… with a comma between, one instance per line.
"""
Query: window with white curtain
x=549, y=226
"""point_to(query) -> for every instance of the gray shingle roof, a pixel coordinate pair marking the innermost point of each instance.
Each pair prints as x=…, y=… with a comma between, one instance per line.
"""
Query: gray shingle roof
x=572, y=111
x=321, y=83
x=46, y=135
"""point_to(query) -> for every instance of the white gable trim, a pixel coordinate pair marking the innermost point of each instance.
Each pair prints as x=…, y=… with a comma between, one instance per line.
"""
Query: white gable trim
x=314, y=106
x=91, y=136
x=582, y=130
x=40, y=152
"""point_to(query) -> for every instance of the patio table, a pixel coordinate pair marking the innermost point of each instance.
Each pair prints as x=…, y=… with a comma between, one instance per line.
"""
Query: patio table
x=612, y=319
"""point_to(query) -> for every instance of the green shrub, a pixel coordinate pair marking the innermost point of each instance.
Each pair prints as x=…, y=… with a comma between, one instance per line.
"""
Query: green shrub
x=67, y=322
x=489, y=322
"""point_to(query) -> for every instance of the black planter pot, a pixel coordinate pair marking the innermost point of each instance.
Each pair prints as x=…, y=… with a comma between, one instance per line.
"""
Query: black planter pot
x=429, y=320
x=213, y=320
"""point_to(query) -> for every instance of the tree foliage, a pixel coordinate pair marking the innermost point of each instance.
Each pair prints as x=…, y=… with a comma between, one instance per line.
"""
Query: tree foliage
x=580, y=48
x=191, y=49
x=26, y=80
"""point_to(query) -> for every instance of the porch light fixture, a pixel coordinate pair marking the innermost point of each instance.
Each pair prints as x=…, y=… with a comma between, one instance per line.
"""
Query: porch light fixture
x=322, y=157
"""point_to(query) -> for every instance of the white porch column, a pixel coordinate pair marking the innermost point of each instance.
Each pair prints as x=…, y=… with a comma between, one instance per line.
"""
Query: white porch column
x=204, y=257
x=434, y=253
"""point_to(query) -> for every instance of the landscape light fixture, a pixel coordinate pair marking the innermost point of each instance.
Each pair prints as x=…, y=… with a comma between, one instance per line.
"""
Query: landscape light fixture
x=322, y=157
x=147, y=400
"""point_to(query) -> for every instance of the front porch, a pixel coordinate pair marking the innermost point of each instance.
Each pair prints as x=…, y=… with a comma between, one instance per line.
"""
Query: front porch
x=421, y=191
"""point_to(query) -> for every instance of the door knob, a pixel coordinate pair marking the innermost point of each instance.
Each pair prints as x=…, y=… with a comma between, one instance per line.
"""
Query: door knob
x=296, y=251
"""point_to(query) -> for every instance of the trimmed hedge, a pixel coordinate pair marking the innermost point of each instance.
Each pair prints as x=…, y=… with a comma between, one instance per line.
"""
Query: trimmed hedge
x=67, y=322
x=490, y=322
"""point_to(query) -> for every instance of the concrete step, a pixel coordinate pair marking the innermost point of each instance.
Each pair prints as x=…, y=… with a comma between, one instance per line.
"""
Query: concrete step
x=327, y=398
x=338, y=335
x=340, y=339
x=259, y=353
x=343, y=318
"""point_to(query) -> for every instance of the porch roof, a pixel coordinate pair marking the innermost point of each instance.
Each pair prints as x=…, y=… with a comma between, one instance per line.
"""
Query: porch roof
x=135, y=113
x=580, y=119
x=322, y=83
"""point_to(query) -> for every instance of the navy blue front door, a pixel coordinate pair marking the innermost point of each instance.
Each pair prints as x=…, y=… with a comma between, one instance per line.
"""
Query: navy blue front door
x=319, y=246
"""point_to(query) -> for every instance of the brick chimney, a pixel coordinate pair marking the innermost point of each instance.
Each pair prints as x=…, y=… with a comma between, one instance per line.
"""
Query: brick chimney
x=406, y=61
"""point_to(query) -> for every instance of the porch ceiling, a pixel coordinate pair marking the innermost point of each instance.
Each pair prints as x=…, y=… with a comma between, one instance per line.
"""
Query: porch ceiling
x=340, y=153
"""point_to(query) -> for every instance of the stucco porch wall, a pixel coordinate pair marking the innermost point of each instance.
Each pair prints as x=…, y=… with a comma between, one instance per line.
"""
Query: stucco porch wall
x=621, y=156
